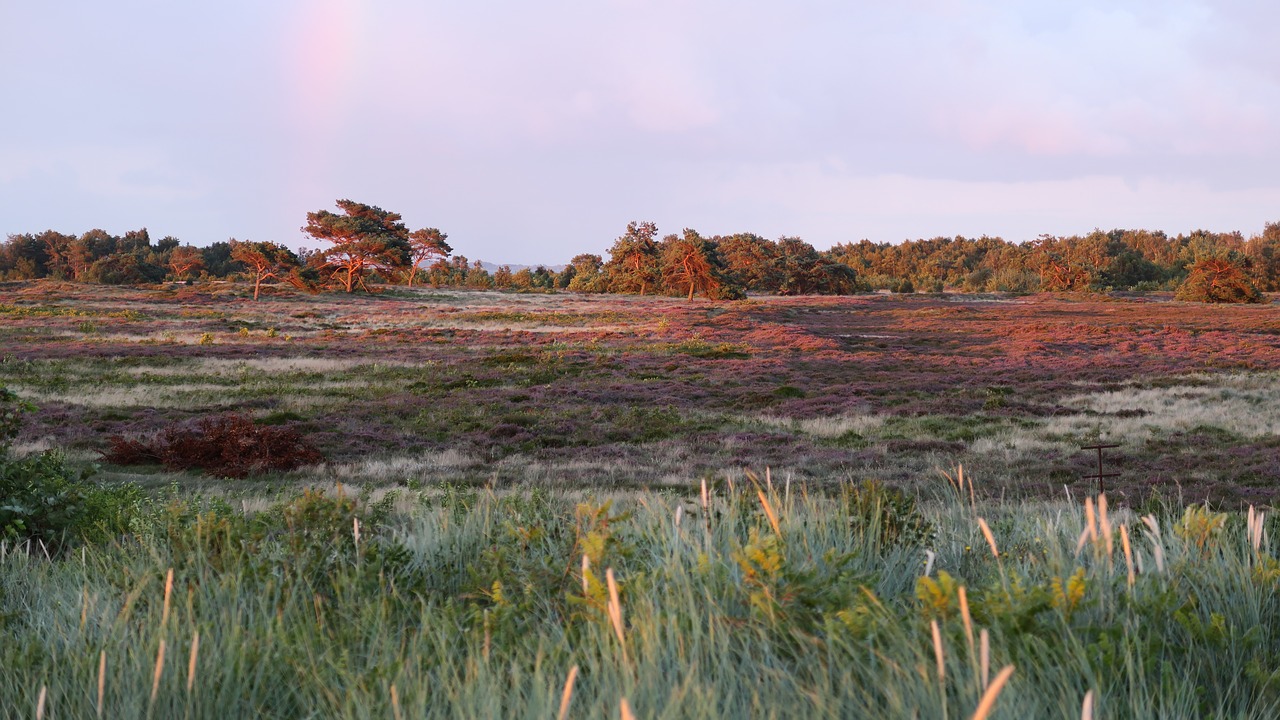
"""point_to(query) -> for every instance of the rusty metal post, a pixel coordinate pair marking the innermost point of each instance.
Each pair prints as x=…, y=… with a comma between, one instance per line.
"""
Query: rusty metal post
x=1100, y=474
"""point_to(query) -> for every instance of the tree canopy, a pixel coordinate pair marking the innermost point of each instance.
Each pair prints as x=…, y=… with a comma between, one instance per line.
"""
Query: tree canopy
x=365, y=244
x=424, y=245
x=633, y=259
x=1219, y=280
x=363, y=239
x=692, y=263
x=264, y=259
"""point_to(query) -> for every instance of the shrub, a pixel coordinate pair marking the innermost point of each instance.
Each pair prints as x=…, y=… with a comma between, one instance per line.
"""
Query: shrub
x=888, y=514
x=125, y=451
x=227, y=445
x=45, y=500
x=42, y=498
x=1218, y=280
x=11, y=410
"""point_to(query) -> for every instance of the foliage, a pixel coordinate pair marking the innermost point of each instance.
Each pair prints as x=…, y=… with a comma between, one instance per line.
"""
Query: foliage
x=363, y=239
x=226, y=446
x=477, y=604
x=1119, y=259
x=265, y=260
x=1218, y=280
x=124, y=269
x=887, y=514
x=46, y=500
x=11, y=411
x=43, y=499
x=691, y=264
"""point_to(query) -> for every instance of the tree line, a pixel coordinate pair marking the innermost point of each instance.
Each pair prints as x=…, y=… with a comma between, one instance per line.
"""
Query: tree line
x=363, y=245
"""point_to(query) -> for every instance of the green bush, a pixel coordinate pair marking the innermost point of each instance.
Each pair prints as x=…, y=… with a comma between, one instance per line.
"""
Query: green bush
x=11, y=410
x=46, y=500
x=887, y=514
x=42, y=498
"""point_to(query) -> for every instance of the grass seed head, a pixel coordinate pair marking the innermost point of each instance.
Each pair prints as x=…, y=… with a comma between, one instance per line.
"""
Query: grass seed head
x=768, y=511
x=191, y=662
x=991, y=540
x=1128, y=553
x=567, y=695
x=102, y=679
x=155, y=678
x=168, y=592
x=993, y=691
x=938, y=654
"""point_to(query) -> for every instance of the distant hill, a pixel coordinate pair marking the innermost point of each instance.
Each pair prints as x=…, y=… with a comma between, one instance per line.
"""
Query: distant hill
x=493, y=267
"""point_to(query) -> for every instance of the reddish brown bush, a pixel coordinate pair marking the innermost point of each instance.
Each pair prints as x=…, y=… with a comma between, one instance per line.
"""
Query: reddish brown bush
x=127, y=451
x=226, y=445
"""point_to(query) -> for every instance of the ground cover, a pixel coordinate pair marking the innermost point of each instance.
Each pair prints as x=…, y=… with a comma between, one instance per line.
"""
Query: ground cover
x=757, y=600
x=476, y=543
x=590, y=391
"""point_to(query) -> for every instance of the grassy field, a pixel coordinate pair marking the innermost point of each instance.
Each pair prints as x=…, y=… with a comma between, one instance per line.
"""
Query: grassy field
x=777, y=602
x=479, y=445
x=615, y=392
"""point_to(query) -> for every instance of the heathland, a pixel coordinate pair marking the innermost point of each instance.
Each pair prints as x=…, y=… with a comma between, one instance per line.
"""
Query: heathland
x=503, y=505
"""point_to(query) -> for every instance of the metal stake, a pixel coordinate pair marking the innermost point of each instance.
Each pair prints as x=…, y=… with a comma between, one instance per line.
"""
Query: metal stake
x=1100, y=474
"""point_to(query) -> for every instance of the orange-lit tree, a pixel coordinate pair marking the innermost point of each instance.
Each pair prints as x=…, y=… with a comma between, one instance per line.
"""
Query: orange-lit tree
x=751, y=259
x=363, y=239
x=691, y=264
x=185, y=260
x=264, y=259
x=424, y=245
x=1219, y=279
x=633, y=260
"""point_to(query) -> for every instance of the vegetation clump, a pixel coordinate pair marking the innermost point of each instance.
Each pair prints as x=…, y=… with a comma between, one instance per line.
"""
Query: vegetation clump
x=229, y=445
x=487, y=604
x=886, y=514
x=1218, y=280
x=42, y=498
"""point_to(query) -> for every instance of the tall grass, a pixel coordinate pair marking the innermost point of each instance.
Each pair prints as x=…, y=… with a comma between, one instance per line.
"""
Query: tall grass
x=761, y=602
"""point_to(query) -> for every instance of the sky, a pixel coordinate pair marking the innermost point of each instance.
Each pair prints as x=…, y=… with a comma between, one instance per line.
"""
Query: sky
x=531, y=132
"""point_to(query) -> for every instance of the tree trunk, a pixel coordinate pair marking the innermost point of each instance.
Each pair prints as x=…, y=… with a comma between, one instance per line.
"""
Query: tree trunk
x=257, y=285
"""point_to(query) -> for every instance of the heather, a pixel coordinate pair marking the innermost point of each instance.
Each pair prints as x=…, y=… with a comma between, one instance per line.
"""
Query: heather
x=599, y=391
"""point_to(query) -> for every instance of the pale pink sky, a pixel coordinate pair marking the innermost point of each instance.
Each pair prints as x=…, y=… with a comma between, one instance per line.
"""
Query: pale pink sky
x=531, y=132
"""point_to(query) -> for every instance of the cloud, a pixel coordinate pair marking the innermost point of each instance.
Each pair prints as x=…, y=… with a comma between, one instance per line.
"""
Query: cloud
x=533, y=131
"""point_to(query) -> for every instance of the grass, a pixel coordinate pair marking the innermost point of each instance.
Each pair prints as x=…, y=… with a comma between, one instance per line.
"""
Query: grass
x=782, y=603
